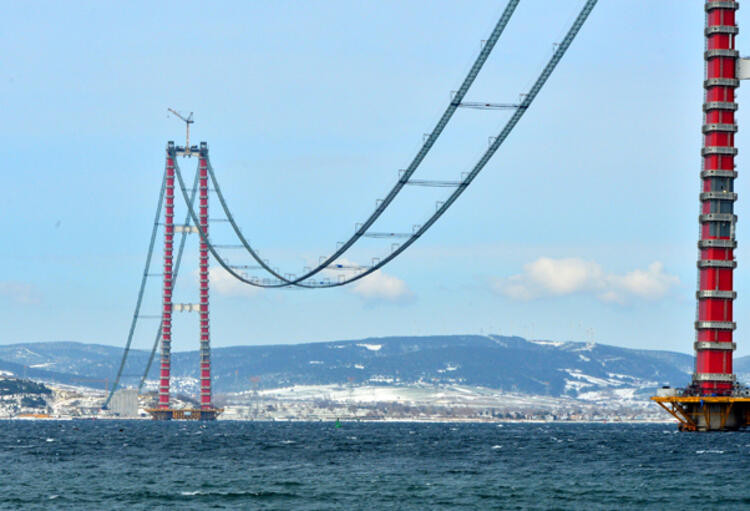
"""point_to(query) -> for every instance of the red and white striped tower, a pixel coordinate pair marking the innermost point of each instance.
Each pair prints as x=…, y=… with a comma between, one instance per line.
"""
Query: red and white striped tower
x=166, y=314
x=715, y=325
x=205, y=340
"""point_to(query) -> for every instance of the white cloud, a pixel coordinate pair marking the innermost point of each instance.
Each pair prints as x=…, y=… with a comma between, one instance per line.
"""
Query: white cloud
x=223, y=283
x=551, y=277
x=559, y=277
x=651, y=282
x=20, y=292
x=376, y=287
x=380, y=286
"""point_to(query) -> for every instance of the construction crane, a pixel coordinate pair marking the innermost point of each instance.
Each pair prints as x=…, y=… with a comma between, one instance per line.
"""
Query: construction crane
x=188, y=121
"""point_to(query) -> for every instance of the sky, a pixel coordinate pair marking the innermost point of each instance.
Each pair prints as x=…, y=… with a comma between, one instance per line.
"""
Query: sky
x=582, y=227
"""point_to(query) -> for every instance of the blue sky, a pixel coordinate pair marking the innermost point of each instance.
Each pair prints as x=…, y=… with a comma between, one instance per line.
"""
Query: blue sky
x=582, y=227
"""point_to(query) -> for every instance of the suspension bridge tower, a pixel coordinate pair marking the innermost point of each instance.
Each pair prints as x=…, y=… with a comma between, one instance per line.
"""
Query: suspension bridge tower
x=714, y=400
x=197, y=222
x=164, y=410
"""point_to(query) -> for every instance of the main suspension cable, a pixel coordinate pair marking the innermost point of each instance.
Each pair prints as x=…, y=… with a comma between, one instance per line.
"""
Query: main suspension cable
x=175, y=273
x=413, y=166
x=141, y=290
x=497, y=142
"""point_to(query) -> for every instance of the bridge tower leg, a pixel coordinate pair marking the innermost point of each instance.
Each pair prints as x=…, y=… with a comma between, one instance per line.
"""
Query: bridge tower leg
x=714, y=326
x=166, y=315
x=714, y=401
x=205, y=339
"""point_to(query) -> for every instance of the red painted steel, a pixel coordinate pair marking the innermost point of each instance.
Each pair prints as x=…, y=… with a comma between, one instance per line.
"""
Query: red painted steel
x=205, y=340
x=166, y=315
x=715, y=324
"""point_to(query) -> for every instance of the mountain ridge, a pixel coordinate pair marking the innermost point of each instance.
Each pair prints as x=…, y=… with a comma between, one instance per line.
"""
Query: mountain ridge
x=507, y=363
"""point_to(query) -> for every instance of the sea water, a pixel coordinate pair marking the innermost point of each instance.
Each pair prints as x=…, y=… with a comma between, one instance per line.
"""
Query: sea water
x=370, y=466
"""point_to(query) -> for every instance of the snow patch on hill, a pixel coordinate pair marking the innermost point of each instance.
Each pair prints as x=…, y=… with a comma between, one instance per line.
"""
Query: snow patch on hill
x=554, y=344
x=371, y=347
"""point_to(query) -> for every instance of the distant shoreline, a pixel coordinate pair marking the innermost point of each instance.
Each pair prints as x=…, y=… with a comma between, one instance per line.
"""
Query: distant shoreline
x=354, y=421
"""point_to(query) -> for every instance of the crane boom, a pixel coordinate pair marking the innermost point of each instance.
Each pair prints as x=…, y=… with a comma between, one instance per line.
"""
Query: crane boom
x=188, y=121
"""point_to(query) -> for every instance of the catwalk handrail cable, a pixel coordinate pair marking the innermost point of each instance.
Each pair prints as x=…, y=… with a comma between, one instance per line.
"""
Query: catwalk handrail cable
x=136, y=313
x=529, y=97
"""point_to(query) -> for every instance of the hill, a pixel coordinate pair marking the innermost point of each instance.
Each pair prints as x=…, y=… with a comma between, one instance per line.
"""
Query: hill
x=510, y=364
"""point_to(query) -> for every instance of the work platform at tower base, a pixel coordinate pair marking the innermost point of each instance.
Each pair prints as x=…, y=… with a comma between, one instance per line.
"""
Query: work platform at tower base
x=184, y=414
x=707, y=413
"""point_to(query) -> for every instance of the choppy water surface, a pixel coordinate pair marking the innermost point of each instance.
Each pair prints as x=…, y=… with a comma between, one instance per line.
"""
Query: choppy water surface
x=305, y=466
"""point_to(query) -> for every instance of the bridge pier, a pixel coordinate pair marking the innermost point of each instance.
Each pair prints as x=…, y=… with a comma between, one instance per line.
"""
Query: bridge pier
x=714, y=401
x=186, y=414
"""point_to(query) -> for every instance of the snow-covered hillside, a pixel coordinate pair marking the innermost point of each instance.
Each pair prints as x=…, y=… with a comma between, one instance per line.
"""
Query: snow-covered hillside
x=508, y=364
